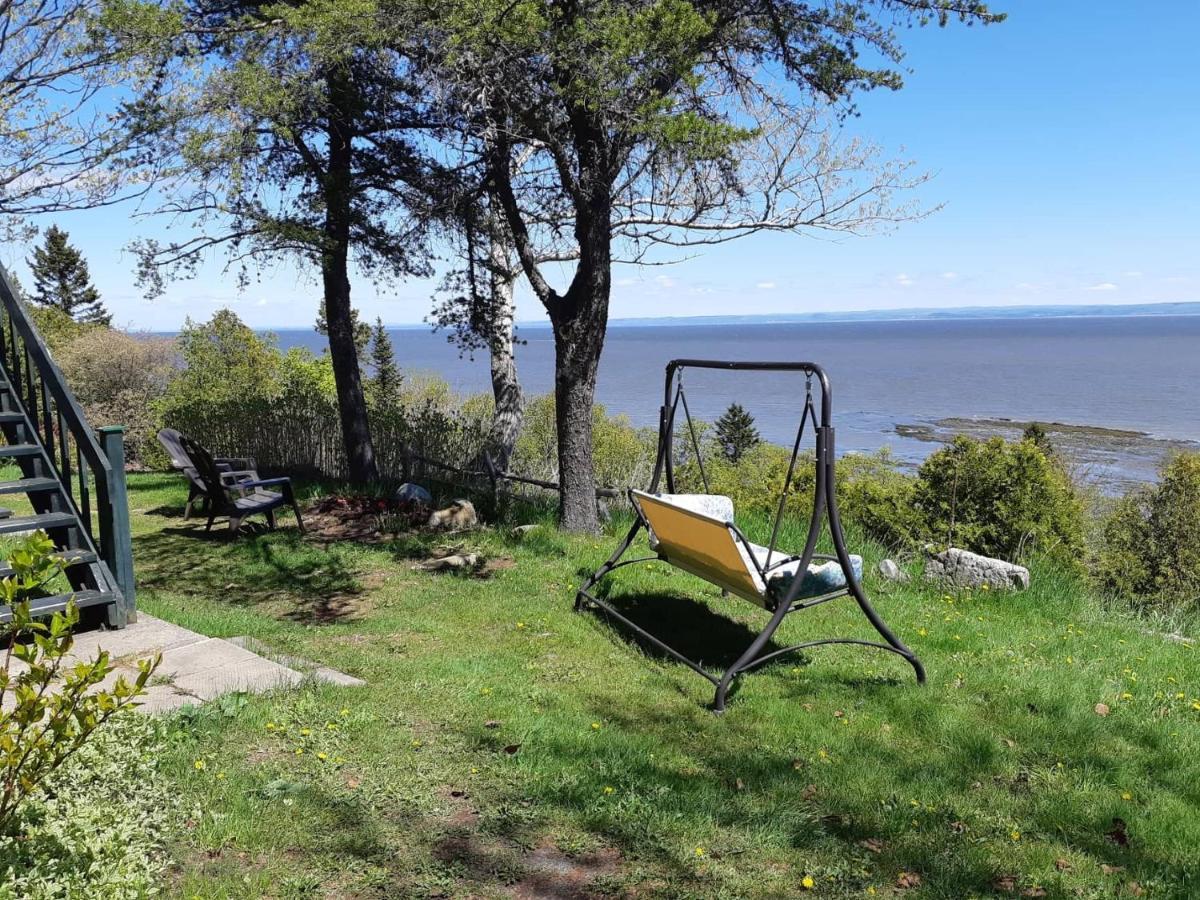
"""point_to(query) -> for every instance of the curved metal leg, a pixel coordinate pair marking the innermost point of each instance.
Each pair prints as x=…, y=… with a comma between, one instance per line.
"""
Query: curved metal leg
x=581, y=597
x=839, y=543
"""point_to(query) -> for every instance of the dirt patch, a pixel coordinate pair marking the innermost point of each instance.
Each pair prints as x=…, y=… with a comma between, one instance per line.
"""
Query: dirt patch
x=364, y=520
x=553, y=875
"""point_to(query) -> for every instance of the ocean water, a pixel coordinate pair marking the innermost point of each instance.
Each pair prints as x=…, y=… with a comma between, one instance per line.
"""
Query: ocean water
x=1136, y=373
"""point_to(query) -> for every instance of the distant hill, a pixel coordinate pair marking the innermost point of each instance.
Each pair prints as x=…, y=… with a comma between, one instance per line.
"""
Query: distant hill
x=926, y=313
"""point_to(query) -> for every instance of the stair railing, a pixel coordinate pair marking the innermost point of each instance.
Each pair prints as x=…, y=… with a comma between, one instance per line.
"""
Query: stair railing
x=89, y=465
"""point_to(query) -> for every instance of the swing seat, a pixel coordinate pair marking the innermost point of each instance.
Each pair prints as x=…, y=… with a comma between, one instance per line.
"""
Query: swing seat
x=696, y=533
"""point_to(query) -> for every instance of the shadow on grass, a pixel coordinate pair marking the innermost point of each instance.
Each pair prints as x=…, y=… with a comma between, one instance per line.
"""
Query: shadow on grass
x=296, y=580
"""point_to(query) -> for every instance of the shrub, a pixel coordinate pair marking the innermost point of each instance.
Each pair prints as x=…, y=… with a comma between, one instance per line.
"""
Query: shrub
x=1001, y=499
x=48, y=710
x=119, y=379
x=875, y=495
x=735, y=432
x=1150, y=543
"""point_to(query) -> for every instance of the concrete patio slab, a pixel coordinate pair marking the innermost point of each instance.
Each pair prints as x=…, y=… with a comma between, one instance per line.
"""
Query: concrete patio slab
x=195, y=668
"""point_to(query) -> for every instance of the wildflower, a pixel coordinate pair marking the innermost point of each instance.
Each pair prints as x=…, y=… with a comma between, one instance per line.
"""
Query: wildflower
x=299, y=751
x=270, y=726
x=807, y=883
x=1125, y=795
x=305, y=732
x=520, y=625
x=485, y=691
x=1127, y=696
x=922, y=632
x=1196, y=704
x=416, y=744
x=345, y=712
x=220, y=776
x=474, y=770
x=200, y=765
x=608, y=789
x=1070, y=659
x=985, y=587
x=1015, y=835
x=699, y=851
x=331, y=726
x=595, y=726
x=322, y=756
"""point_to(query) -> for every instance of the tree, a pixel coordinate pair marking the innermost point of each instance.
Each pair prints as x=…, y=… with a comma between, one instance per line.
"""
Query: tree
x=362, y=331
x=386, y=379
x=736, y=432
x=283, y=130
x=61, y=280
x=624, y=103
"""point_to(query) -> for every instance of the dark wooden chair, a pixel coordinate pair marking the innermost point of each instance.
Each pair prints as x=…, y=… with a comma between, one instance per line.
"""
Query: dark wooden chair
x=227, y=493
x=244, y=468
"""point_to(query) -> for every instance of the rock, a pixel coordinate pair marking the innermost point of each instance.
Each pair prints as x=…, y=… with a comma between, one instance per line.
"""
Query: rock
x=522, y=530
x=963, y=568
x=892, y=572
x=447, y=563
x=413, y=493
x=457, y=516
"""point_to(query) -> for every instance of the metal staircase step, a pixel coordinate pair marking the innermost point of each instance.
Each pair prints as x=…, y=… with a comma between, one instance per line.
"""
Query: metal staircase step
x=44, y=521
x=45, y=606
x=70, y=559
x=12, y=417
x=29, y=486
x=20, y=450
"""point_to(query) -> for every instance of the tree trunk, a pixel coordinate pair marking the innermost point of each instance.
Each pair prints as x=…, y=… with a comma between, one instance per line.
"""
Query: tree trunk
x=339, y=319
x=580, y=321
x=506, y=387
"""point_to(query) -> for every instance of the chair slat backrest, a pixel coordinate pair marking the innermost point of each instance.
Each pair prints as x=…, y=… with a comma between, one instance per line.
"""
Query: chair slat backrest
x=206, y=468
x=699, y=544
x=172, y=442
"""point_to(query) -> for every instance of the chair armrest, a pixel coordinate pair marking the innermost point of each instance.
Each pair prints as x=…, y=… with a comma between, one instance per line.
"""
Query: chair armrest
x=264, y=482
x=236, y=463
x=238, y=478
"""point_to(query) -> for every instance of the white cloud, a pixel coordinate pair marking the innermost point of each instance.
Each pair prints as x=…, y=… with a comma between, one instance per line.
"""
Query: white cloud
x=904, y=280
x=765, y=285
x=664, y=281
x=625, y=282
x=1103, y=286
x=1134, y=274
x=949, y=276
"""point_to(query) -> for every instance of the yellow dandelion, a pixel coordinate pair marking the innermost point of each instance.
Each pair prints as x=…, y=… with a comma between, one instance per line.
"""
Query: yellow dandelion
x=322, y=756
x=700, y=851
x=416, y=744
x=1015, y=835
x=807, y=883
x=595, y=726
x=305, y=732
x=270, y=726
x=985, y=587
x=1127, y=696
x=922, y=632
x=220, y=776
x=299, y=751
x=1196, y=704
x=474, y=770
x=331, y=726
x=520, y=624
x=200, y=765
x=609, y=790
x=345, y=712
x=1125, y=795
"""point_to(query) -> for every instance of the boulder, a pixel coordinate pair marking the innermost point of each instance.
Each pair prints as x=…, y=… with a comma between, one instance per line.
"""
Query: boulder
x=523, y=530
x=459, y=515
x=962, y=568
x=891, y=571
x=413, y=493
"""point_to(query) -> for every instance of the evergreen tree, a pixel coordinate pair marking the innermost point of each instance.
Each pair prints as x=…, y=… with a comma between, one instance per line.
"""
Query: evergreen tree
x=736, y=432
x=61, y=280
x=386, y=381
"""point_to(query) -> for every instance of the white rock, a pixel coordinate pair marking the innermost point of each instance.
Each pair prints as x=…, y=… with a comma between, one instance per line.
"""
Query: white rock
x=891, y=571
x=963, y=568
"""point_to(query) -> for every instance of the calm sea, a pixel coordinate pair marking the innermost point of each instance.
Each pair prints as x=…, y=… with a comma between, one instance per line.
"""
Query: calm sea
x=1140, y=373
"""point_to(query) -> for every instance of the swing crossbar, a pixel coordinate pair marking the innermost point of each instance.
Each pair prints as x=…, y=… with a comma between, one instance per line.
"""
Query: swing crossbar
x=715, y=550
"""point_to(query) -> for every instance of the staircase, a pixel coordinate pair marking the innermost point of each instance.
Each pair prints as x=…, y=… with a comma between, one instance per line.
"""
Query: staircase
x=73, y=478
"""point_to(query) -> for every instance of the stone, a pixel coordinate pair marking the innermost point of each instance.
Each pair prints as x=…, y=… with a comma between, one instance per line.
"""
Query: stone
x=449, y=563
x=458, y=516
x=962, y=568
x=413, y=493
x=889, y=570
x=523, y=530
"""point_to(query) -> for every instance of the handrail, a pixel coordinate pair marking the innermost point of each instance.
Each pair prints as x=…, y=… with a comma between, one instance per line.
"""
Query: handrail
x=53, y=378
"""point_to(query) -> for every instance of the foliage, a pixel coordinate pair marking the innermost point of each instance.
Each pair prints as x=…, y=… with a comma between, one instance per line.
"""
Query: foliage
x=385, y=376
x=49, y=705
x=98, y=826
x=56, y=328
x=876, y=496
x=735, y=432
x=120, y=378
x=623, y=456
x=1150, y=544
x=362, y=331
x=1000, y=499
x=61, y=280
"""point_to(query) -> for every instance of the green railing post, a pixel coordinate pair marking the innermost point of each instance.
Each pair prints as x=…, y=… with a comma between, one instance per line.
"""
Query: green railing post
x=115, y=536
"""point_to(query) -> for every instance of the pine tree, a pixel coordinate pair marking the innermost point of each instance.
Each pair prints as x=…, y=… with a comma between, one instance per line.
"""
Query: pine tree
x=61, y=280
x=362, y=331
x=385, y=383
x=736, y=432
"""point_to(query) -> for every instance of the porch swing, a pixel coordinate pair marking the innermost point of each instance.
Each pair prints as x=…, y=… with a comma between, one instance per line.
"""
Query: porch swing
x=696, y=533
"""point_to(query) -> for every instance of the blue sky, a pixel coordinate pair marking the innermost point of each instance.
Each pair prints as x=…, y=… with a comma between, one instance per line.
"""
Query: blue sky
x=1065, y=145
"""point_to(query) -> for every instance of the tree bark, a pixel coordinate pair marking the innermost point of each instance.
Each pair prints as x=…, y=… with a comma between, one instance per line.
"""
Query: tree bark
x=339, y=319
x=506, y=387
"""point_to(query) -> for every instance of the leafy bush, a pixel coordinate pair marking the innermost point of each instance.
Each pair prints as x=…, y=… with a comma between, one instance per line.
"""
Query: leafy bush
x=875, y=495
x=1150, y=543
x=1001, y=499
x=96, y=828
x=48, y=709
x=119, y=379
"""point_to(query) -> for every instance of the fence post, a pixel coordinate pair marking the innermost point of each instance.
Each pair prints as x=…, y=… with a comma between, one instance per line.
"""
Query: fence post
x=116, y=540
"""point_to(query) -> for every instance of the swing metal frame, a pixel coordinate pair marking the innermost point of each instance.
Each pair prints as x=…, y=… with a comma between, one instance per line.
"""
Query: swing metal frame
x=824, y=509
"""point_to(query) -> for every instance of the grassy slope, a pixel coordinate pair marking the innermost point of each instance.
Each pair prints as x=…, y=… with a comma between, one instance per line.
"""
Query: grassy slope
x=838, y=768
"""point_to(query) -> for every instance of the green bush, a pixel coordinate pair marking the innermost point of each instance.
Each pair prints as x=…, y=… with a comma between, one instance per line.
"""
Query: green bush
x=1001, y=499
x=49, y=705
x=1150, y=542
x=876, y=496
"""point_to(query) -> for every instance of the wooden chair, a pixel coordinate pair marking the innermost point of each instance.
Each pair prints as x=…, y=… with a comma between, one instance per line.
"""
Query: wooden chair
x=228, y=493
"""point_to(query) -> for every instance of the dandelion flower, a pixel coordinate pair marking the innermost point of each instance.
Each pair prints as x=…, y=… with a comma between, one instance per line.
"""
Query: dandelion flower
x=699, y=851
x=270, y=726
x=807, y=883
x=520, y=624
x=345, y=712
x=1125, y=795
x=1127, y=696
x=922, y=632
x=200, y=765
x=1015, y=835
x=416, y=744
x=322, y=756
x=595, y=726
x=608, y=789
x=220, y=776
x=305, y=732
x=299, y=751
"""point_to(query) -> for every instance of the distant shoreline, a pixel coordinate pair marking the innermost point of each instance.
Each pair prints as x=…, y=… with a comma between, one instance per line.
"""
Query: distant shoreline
x=908, y=314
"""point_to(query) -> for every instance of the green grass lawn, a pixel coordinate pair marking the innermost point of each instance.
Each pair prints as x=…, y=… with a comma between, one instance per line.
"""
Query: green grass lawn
x=506, y=746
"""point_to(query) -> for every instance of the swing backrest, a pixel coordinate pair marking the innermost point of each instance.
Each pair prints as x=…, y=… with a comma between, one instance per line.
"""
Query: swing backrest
x=700, y=544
